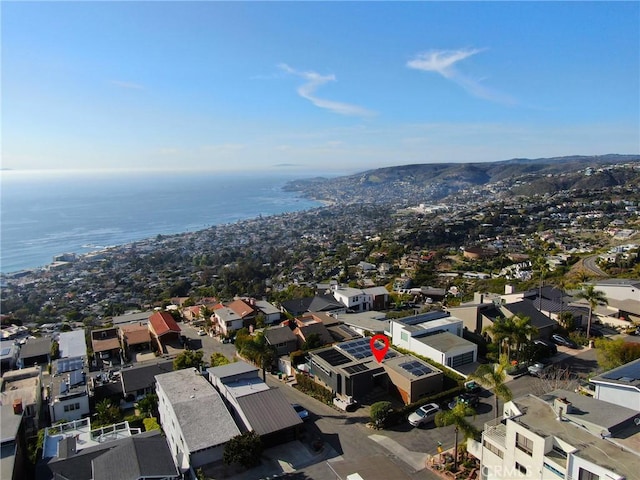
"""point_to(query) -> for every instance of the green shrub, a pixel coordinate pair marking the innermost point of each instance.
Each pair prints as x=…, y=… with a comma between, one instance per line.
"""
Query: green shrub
x=307, y=385
x=380, y=412
x=151, y=424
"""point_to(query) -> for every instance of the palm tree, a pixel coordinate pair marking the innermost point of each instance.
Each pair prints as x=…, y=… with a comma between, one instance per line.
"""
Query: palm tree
x=515, y=330
x=492, y=377
x=457, y=417
x=594, y=298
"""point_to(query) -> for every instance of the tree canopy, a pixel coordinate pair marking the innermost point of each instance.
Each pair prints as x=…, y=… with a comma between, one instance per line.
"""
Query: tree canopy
x=188, y=359
x=244, y=449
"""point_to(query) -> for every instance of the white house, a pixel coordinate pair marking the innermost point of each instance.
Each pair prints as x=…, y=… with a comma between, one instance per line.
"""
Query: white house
x=435, y=335
x=227, y=320
x=354, y=299
x=620, y=386
x=271, y=312
x=194, y=418
x=561, y=435
x=68, y=390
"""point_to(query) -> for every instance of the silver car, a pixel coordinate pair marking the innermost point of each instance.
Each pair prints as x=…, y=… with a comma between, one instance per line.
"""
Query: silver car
x=425, y=414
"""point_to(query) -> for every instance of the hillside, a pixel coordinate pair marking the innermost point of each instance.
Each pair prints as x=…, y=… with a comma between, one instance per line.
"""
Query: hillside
x=430, y=182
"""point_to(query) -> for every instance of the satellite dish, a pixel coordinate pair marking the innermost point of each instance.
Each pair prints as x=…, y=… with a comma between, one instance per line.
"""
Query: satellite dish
x=636, y=420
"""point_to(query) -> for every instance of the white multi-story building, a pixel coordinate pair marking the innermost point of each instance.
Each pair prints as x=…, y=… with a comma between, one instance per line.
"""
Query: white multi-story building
x=227, y=320
x=435, y=335
x=194, y=418
x=561, y=435
x=353, y=298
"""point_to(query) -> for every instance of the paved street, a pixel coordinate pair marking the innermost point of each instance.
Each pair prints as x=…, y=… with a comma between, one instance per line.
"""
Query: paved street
x=402, y=451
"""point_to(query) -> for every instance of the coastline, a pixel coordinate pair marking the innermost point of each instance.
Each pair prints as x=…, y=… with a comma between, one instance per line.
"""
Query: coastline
x=46, y=217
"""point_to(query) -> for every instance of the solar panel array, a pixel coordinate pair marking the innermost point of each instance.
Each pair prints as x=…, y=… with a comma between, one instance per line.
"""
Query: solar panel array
x=76, y=377
x=69, y=364
x=416, y=368
x=625, y=373
x=361, y=348
x=356, y=368
x=333, y=357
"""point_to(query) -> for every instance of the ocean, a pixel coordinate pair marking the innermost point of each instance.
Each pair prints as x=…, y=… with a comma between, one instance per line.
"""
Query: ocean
x=43, y=214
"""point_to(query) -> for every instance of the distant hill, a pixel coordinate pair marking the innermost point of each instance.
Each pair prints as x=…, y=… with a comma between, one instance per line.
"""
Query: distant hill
x=428, y=182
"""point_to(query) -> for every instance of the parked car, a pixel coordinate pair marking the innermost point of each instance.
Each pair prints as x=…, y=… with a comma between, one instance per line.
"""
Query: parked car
x=201, y=332
x=593, y=331
x=301, y=411
x=466, y=398
x=472, y=387
x=425, y=414
x=551, y=347
x=538, y=369
x=564, y=341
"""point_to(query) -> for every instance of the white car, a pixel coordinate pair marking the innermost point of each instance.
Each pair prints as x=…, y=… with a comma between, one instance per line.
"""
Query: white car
x=425, y=414
x=201, y=333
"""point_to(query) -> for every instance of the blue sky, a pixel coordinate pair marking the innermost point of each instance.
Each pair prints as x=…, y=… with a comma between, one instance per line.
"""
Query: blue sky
x=315, y=86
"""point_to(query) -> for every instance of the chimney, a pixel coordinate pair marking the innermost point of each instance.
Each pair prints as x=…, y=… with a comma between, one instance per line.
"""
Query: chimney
x=17, y=406
x=561, y=406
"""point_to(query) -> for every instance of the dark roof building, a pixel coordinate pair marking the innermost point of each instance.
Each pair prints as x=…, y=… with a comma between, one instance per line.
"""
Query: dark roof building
x=140, y=380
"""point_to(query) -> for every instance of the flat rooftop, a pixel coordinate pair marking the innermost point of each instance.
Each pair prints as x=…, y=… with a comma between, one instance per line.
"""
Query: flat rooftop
x=540, y=418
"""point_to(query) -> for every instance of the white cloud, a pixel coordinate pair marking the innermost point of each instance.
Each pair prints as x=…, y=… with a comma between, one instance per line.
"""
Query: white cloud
x=128, y=85
x=316, y=80
x=444, y=63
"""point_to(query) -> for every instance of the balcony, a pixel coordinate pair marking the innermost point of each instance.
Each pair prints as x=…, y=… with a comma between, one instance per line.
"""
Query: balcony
x=496, y=431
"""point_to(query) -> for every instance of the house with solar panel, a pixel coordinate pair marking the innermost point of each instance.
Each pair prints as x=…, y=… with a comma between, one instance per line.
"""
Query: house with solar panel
x=68, y=391
x=620, y=386
x=350, y=371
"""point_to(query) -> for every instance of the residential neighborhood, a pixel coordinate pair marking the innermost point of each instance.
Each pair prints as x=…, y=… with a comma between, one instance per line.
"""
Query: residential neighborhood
x=246, y=351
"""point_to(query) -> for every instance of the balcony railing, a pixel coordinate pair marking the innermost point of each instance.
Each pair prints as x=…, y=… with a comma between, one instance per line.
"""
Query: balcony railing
x=496, y=431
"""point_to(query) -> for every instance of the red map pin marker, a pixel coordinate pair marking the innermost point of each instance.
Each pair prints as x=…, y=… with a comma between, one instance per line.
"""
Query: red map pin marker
x=379, y=353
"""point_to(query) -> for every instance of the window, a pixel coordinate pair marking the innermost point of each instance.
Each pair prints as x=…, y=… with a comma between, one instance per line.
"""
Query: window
x=404, y=336
x=525, y=444
x=493, y=449
x=77, y=406
x=66, y=408
x=587, y=475
x=521, y=468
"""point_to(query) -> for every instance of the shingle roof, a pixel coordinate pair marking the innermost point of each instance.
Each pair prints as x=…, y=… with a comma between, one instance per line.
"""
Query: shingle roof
x=268, y=411
x=136, y=457
x=279, y=335
x=143, y=376
x=318, y=328
x=526, y=308
x=36, y=347
x=145, y=447
x=162, y=323
x=199, y=409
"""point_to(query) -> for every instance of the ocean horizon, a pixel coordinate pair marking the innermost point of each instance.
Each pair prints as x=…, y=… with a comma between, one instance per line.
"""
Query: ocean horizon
x=48, y=213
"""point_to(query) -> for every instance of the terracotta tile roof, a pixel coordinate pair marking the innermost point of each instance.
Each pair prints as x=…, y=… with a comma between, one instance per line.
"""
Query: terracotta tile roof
x=242, y=308
x=161, y=323
x=105, y=345
x=135, y=334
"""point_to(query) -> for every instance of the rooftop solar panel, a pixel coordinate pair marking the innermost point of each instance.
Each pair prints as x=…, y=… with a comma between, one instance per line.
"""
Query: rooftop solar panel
x=76, y=377
x=333, y=357
x=69, y=365
x=625, y=373
x=356, y=368
x=416, y=368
